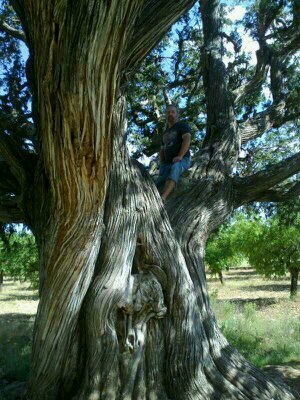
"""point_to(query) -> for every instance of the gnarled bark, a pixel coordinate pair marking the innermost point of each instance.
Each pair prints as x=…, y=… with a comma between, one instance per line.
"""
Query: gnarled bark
x=124, y=311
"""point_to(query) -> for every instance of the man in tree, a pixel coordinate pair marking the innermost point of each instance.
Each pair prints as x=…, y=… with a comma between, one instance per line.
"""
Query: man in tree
x=174, y=155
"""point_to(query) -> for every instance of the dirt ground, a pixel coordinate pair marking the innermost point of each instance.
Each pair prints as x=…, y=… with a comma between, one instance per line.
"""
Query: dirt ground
x=244, y=285
x=18, y=302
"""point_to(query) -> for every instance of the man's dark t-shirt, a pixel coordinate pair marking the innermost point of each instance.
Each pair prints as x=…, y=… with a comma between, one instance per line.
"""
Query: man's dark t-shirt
x=172, y=140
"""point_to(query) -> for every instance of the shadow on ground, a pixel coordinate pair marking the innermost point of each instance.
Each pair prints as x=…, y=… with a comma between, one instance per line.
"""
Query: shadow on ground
x=15, y=346
x=15, y=319
x=20, y=297
x=259, y=302
x=286, y=373
x=271, y=287
x=241, y=273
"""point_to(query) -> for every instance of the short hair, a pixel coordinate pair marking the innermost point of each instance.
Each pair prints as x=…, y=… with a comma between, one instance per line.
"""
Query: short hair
x=173, y=105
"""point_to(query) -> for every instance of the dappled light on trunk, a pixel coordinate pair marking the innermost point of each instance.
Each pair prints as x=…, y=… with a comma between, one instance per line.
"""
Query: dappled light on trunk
x=124, y=311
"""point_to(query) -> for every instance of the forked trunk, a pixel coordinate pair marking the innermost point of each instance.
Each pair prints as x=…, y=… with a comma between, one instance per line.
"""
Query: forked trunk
x=146, y=329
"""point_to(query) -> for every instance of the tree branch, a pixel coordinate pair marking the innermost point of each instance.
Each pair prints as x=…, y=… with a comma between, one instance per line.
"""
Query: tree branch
x=292, y=44
x=236, y=45
x=12, y=155
x=258, y=78
x=16, y=33
x=252, y=188
x=179, y=57
x=156, y=18
x=8, y=183
x=9, y=210
x=280, y=194
x=182, y=82
x=266, y=57
x=273, y=117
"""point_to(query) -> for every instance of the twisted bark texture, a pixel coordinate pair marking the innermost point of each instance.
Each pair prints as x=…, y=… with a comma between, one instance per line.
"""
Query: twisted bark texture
x=124, y=311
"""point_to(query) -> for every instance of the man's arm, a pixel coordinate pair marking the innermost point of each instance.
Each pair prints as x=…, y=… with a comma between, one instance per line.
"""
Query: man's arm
x=186, y=142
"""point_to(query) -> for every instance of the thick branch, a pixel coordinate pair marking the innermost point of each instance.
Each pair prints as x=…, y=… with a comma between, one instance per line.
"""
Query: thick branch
x=221, y=129
x=256, y=81
x=254, y=187
x=16, y=33
x=12, y=155
x=273, y=117
x=292, y=44
x=9, y=210
x=281, y=194
x=236, y=45
x=8, y=183
x=267, y=57
x=179, y=57
x=156, y=18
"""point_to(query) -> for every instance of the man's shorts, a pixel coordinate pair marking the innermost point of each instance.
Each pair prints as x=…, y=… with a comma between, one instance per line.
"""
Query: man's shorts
x=172, y=171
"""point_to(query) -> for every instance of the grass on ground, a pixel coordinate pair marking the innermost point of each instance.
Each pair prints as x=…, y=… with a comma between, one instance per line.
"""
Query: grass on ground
x=257, y=316
x=261, y=340
x=18, y=304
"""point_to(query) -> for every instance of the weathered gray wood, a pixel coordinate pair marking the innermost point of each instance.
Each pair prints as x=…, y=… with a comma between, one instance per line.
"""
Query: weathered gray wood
x=124, y=311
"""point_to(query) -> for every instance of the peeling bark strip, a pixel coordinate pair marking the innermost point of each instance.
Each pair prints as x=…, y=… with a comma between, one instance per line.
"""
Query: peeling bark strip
x=124, y=310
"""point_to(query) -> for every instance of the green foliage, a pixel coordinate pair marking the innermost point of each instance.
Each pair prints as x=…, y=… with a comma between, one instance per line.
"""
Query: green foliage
x=19, y=257
x=276, y=249
x=221, y=250
x=270, y=245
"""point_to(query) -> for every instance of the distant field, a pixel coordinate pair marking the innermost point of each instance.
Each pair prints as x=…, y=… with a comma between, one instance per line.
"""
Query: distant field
x=255, y=314
x=243, y=285
x=17, y=299
x=257, y=317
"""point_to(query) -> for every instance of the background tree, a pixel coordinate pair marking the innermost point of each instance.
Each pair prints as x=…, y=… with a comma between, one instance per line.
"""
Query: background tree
x=122, y=281
x=273, y=246
x=270, y=245
x=18, y=257
x=223, y=250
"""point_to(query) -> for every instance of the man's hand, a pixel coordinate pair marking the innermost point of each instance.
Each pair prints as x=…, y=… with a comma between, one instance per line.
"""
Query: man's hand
x=176, y=159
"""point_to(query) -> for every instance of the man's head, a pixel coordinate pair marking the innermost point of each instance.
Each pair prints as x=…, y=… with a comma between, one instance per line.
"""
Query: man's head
x=172, y=114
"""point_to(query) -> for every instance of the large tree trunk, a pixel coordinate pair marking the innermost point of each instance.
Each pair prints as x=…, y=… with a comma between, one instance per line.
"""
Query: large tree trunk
x=145, y=329
x=124, y=311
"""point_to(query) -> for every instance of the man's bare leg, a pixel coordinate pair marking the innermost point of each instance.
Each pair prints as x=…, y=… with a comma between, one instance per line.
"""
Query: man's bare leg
x=169, y=186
